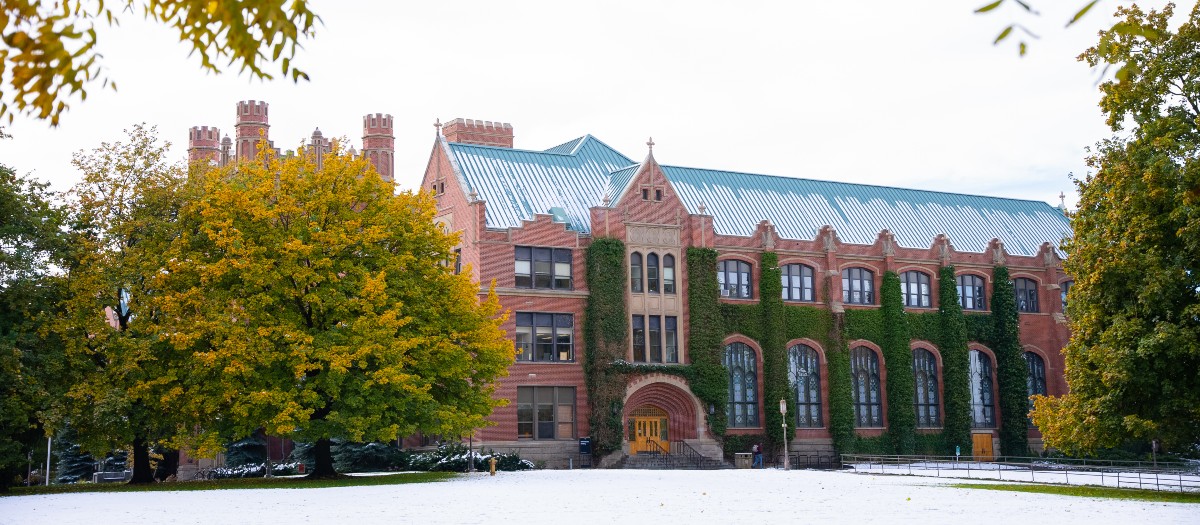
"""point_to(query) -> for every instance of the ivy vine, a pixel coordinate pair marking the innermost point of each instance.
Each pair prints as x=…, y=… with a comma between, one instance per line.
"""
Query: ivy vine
x=902, y=421
x=956, y=382
x=1010, y=366
x=710, y=383
x=605, y=329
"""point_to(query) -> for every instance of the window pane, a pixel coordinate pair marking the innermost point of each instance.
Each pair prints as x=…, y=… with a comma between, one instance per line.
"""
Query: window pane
x=671, y=341
x=545, y=343
x=635, y=272
x=668, y=274
x=652, y=273
x=639, y=338
x=655, y=338
x=524, y=343
x=562, y=275
x=541, y=274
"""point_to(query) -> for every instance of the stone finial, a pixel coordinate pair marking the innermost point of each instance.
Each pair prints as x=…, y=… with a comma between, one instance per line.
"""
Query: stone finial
x=998, y=258
x=650, y=144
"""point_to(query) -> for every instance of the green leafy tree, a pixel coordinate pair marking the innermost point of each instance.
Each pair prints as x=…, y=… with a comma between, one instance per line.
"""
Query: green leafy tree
x=49, y=51
x=316, y=304
x=125, y=389
x=1135, y=307
x=31, y=362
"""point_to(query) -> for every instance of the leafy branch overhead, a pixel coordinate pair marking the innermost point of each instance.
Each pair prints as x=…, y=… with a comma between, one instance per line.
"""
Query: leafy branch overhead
x=1122, y=28
x=49, y=51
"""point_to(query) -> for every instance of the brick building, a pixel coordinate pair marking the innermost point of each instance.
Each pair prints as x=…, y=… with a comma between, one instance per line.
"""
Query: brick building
x=527, y=217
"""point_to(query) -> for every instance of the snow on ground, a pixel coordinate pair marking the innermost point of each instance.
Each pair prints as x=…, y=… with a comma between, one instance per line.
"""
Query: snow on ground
x=602, y=496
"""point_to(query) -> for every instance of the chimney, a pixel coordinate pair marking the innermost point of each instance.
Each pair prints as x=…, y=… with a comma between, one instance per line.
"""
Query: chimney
x=379, y=145
x=251, y=127
x=204, y=145
x=482, y=132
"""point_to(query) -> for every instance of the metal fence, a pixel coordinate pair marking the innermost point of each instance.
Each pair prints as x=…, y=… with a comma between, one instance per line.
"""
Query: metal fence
x=1176, y=477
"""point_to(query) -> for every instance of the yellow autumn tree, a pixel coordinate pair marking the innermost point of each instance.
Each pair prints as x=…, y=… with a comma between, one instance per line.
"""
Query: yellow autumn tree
x=316, y=304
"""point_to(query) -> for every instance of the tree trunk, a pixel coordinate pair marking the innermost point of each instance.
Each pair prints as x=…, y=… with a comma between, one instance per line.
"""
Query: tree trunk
x=169, y=466
x=323, y=452
x=141, y=462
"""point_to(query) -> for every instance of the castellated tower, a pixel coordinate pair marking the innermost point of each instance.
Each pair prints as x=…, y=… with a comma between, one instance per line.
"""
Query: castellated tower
x=204, y=145
x=379, y=145
x=250, y=128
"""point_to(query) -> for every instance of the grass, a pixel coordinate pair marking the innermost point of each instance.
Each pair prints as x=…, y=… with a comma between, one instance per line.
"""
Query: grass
x=243, y=483
x=1089, y=492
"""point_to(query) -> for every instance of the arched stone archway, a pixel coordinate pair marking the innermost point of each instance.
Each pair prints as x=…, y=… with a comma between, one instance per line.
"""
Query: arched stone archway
x=671, y=395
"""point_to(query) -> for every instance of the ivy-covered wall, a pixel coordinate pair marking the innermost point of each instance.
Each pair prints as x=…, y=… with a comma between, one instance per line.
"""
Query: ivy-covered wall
x=605, y=329
x=1011, y=369
x=772, y=323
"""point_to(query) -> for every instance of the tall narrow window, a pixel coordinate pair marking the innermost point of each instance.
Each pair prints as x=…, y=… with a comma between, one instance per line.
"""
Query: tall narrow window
x=671, y=337
x=562, y=269
x=865, y=388
x=652, y=272
x=544, y=337
x=668, y=273
x=925, y=376
x=1035, y=380
x=1065, y=289
x=733, y=277
x=639, y=338
x=858, y=286
x=543, y=268
x=523, y=267
x=983, y=403
x=804, y=369
x=740, y=362
x=1027, y=295
x=797, y=282
x=635, y=272
x=970, y=292
x=457, y=261
x=655, y=336
x=914, y=286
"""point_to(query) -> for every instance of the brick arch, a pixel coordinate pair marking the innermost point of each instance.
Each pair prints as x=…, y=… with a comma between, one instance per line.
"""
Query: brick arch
x=683, y=410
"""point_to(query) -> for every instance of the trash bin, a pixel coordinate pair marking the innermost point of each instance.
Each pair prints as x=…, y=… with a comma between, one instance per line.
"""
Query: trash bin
x=743, y=459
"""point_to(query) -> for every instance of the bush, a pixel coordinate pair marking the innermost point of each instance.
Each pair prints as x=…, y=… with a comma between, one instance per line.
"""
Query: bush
x=368, y=457
x=251, y=470
x=453, y=457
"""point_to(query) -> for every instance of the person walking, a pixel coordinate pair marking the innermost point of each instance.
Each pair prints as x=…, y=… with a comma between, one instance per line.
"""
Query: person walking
x=758, y=455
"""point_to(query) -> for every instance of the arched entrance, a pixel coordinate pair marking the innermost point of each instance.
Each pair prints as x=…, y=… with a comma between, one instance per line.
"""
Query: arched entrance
x=649, y=431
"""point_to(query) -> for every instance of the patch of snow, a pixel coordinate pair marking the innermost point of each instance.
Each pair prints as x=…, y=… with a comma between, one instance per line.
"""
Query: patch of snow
x=602, y=496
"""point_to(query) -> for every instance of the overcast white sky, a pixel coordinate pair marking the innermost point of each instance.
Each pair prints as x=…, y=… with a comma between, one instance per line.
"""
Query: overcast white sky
x=909, y=94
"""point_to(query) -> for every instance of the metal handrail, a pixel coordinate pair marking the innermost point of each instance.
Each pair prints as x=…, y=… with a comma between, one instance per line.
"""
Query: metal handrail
x=683, y=449
x=1120, y=473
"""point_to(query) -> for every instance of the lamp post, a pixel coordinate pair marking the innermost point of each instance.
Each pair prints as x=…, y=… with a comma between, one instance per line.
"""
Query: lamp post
x=783, y=413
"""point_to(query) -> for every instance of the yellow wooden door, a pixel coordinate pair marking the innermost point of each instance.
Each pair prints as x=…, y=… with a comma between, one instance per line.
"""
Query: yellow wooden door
x=648, y=431
x=982, y=447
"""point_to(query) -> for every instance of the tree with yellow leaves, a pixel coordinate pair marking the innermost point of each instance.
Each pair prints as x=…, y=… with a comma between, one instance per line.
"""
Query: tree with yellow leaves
x=48, y=49
x=315, y=303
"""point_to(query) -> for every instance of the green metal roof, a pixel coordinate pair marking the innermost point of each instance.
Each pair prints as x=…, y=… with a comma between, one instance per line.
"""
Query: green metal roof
x=800, y=207
x=520, y=183
x=575, y=176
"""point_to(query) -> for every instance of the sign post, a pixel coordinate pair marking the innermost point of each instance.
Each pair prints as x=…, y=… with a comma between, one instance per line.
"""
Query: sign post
x=783, y=413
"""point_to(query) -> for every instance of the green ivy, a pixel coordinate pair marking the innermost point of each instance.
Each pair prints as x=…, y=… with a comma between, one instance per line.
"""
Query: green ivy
x=710, y=383
x=864, y=324
x=1010, y=366
x=956, y=383
x=605, y=330
x=902, y=419
x=841, y=407
x=773, y=340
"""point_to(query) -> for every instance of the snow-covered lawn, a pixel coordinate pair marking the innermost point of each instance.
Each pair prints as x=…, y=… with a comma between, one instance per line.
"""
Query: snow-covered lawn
x=603, y=496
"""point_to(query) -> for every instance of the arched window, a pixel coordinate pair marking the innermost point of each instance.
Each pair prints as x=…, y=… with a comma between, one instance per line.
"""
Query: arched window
x=926, y=393
x=797, y=282
x=1035, y=380
x=970, y=292
x=983, y=403
x=668, y=273
x=865, y=389
x=652, y=272
x=1027, y=294
x=1065, y=289
x=914, y=286
x=804, y=370
x=635, y=272
x=858, y=286
x=742, y=410
x=733, y=277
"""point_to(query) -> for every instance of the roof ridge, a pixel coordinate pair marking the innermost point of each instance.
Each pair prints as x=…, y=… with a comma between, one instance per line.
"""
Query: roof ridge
x=857, y=184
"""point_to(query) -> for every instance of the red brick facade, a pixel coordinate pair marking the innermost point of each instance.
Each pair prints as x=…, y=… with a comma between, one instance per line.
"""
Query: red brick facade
x=648, y=216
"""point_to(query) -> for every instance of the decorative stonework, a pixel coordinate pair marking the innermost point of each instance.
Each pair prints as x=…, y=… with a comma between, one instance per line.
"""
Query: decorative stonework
x=652, y=235
x=768, y=236
x=888, y=241
x=943, y=249
x=829, y=238
x=998, y=257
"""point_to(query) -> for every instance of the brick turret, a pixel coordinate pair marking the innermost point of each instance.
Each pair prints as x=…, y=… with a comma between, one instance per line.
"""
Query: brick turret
x=319, y=146
x=379, y=144
x=250, y=128
x=204, y=145
x=480, y=132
